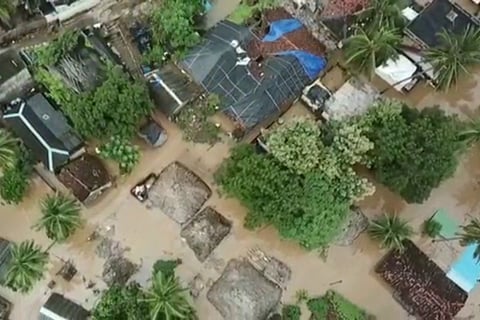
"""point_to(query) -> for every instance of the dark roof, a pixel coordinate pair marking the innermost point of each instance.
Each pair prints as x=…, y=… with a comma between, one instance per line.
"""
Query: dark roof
x=248, y=99
x=44, y=130
x=4, y=258
x=421, y=286
x=57, y=305
x=15, y=79
x=10, y=65
x=172, y=89
x=84, y=175
x=439, y=15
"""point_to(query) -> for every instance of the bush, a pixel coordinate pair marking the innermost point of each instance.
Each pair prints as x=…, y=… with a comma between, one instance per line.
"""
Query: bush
x=432, y=228
x=291, y=312
x=15, y=179
x=122, y=303
x=122, y=152
x=335, y=306
x=166, y=267
x=414, y=150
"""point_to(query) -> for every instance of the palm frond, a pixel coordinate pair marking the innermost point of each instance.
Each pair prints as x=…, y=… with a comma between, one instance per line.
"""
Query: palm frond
x=60, y=217
x=390, y=231
x=7, y=149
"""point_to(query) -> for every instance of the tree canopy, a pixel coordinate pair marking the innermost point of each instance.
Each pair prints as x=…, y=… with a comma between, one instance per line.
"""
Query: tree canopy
x=8, y=145
x=114, y=108
x=302, y=207
x=414, y=150
x=15, y=178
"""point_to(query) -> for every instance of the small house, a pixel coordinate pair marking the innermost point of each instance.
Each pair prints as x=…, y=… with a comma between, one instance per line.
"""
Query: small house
x=44, y=130
x=15, y=79
x=86, y=177
x=58, y=307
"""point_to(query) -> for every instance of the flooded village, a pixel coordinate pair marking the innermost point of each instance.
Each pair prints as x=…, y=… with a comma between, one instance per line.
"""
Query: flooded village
x=150, y=173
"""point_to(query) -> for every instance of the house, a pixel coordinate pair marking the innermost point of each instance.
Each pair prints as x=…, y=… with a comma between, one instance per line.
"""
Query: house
x=420, y=285
x=15, y=79
x=44, y=130
x=58, y=307
x=438, y=16
x=171, y=89
x=255, y=83
x=86, y=177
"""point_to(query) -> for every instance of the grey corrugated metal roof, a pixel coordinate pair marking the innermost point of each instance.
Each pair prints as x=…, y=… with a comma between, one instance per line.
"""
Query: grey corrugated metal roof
x=4, y=258
x=58, y=307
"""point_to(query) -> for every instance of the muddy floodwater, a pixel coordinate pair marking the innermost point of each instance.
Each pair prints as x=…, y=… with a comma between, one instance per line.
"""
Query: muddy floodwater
x=146, y=234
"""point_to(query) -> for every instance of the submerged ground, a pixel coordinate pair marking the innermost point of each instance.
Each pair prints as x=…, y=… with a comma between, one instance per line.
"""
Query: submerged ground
x=149, y=235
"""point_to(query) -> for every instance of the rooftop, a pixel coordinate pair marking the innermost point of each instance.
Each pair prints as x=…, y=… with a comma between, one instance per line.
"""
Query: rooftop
x=439, y=15
x=58, y=307
x=44, y=130
x=84, y=175
x=420, y=285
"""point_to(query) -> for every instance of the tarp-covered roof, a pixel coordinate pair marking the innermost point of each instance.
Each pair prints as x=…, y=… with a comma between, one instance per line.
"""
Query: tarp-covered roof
x=58, y=307
x=248, y=99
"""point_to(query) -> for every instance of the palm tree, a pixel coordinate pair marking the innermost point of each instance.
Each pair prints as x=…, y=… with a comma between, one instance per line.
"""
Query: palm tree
x=385, y=13
x=7, y=7
x=27, y=265
x=454, y=56
x=60, y=217
x=168, y=300
x=7, y=149
x=368, y=49
x=471, y=235
x=391, y=231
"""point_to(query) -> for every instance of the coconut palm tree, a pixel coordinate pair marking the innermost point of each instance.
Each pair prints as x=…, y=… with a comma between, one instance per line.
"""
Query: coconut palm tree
x=7, y=149
x=454, y=55
x=385, y=13
x=60, y=217
x=368, y=49
x=26, y=266
x=167, y=299
x=390, y=231
x=7, y=8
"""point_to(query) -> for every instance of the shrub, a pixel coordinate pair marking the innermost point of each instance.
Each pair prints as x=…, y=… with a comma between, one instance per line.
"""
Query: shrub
x=291, y=312
x=122, y=152
x=431, y=228
x=15, y=179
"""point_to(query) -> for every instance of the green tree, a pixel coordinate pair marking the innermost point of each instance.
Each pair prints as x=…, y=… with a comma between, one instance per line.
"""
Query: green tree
x=166, y=267
x=454, y=56
x=173, y=25
x=58, y=48
x=297, y=145
x=7, y=8
x=301, y=207
x=26, y=266
x=414, y=150
x=390, y=231
x=431, y=228
x=366, y=50
x=167, y=299
x=470, y=235
x=122, y=152
x=122, y=303
x=114, y=108
x=8, y=146
x=60, y=217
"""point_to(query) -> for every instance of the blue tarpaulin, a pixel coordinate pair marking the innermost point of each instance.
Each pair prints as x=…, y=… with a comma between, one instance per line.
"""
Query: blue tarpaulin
x=311, y=63
x=280, y=27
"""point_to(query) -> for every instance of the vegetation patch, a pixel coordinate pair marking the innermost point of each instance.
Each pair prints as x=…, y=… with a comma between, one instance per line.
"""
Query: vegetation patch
x=15, y=178
x=334, y=306
x=248, y=9
x=122, y=152
x=194, y=120
x=98, y=97
x=431, y=228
